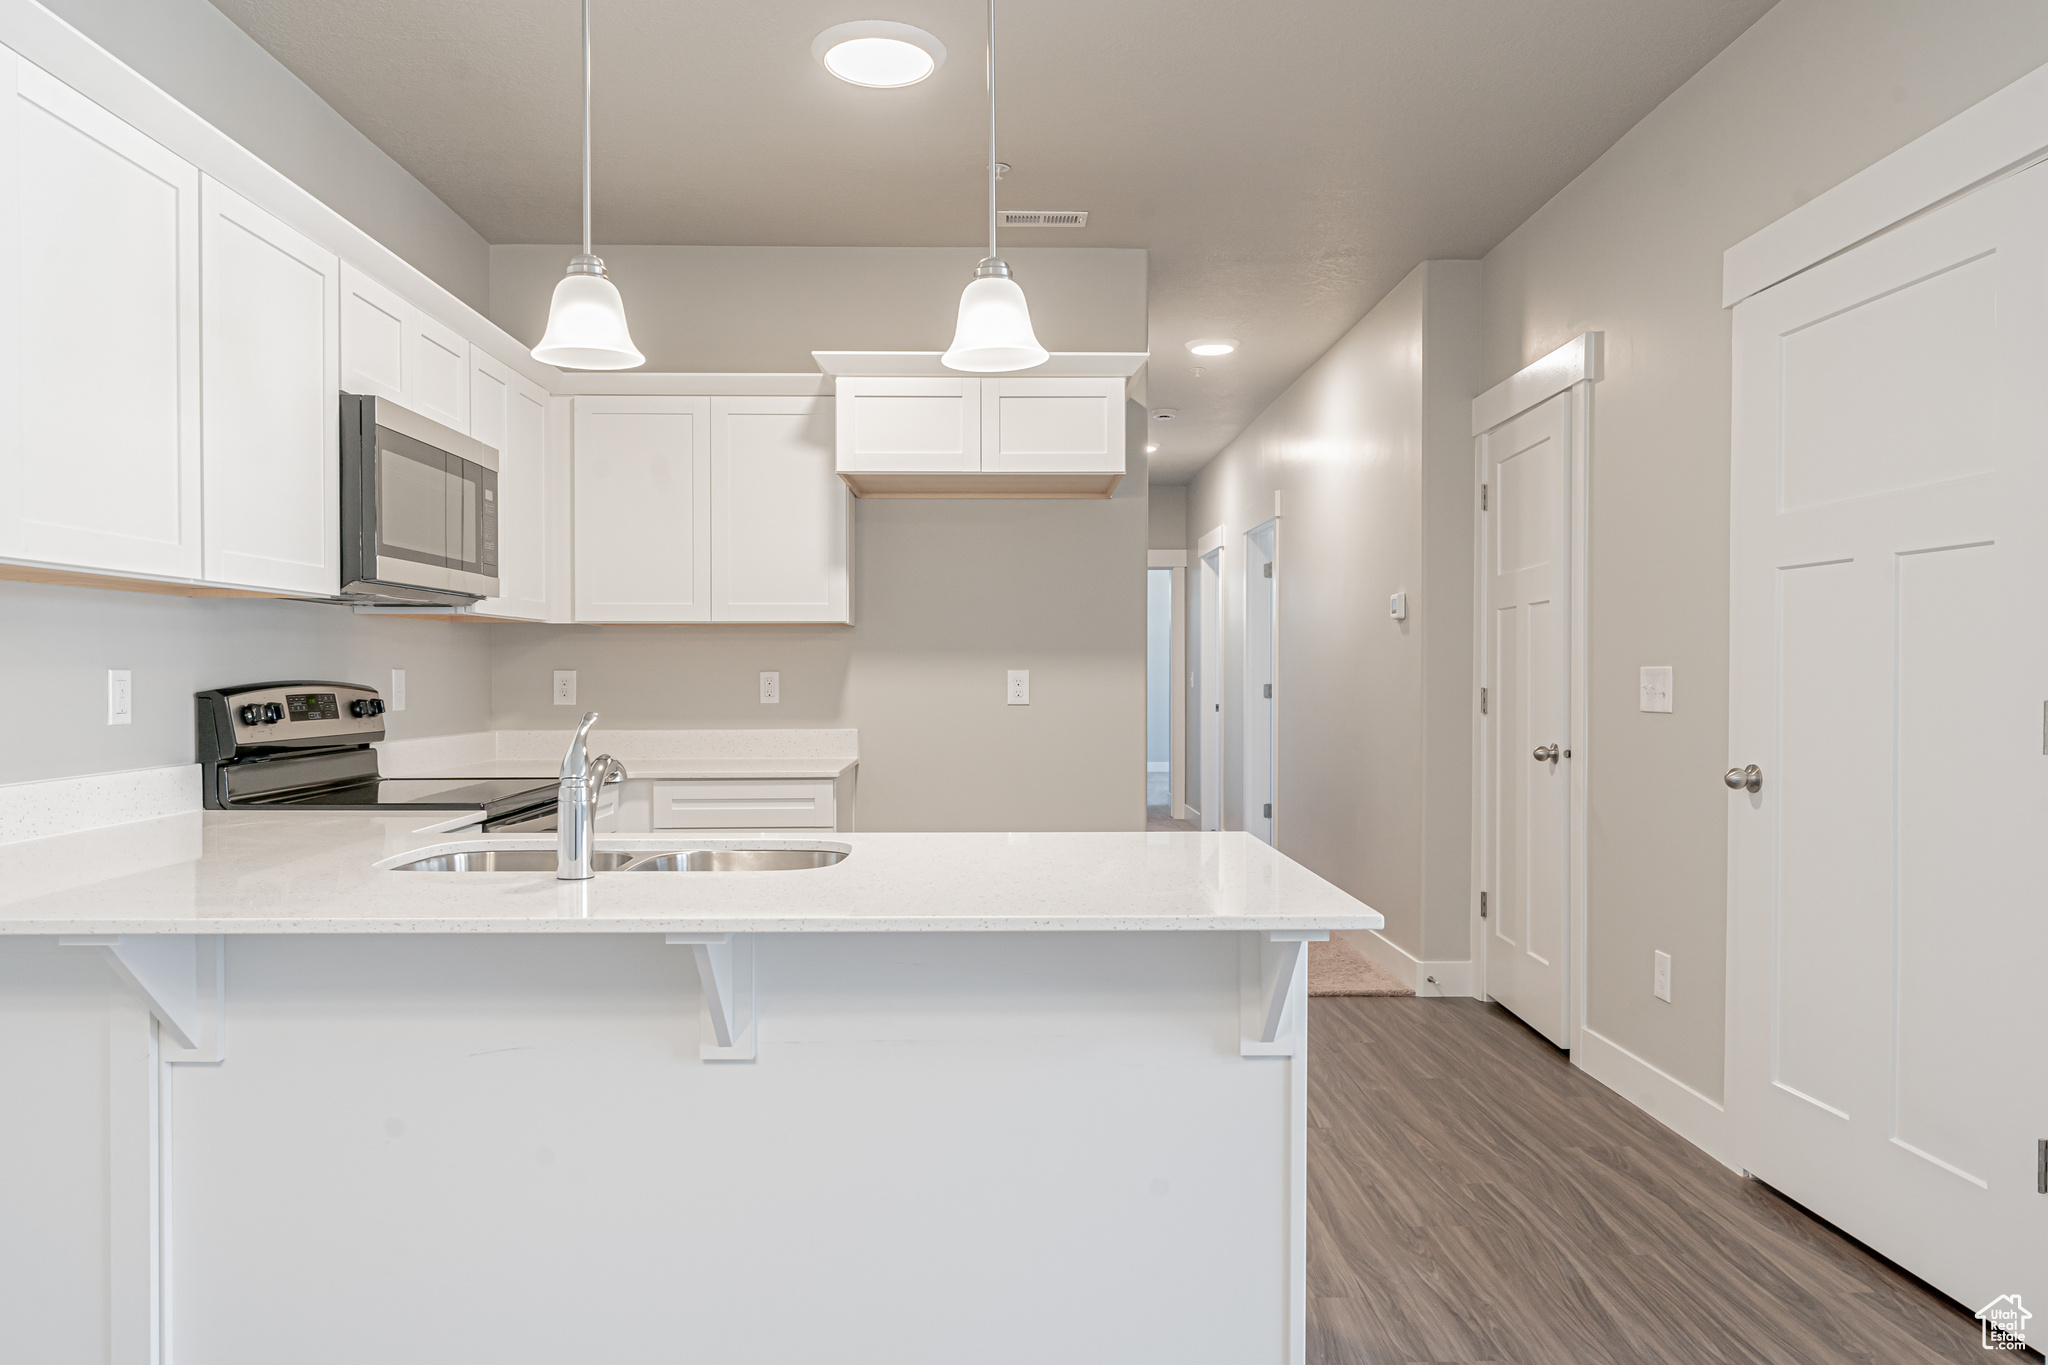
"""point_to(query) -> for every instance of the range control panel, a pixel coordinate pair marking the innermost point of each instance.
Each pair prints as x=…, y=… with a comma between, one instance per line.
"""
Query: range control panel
x=298, y=713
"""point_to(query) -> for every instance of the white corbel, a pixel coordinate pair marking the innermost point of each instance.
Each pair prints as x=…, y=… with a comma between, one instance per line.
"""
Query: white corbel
x=725, y=967
x=182, y=978
x=1272, y=995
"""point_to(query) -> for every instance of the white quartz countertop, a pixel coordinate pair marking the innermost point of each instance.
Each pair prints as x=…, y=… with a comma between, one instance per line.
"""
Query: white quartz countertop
x=265, y=872
x=743, y=769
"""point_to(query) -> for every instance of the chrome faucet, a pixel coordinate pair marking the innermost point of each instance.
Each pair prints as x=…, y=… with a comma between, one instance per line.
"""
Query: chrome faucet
x=583, y=780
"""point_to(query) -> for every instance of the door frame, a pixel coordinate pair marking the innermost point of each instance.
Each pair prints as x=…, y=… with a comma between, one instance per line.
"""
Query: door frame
x=1573, y=367
x=1209, y=691
x=1177, y=660
x=1270, y=526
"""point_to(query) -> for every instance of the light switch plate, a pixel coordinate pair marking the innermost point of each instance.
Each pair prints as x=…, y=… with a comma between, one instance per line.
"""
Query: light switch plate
x=771, y=688
x=1660, y=979
x=395, y=699
x=120, y=697
x=565, y=687
x=1020, y=687
x=1397, y=606
x=1656, y=685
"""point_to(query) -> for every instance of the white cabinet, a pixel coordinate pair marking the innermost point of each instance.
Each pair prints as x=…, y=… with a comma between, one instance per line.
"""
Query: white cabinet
x=99, y=337
x=271, y=427
x=508, y=412
x=643, y=509
x=393, y=350
x=963, y=438
x=781, y=519
x=762, y=804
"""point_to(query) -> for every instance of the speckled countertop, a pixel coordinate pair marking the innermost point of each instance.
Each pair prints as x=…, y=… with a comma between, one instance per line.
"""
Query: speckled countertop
x=264, y=872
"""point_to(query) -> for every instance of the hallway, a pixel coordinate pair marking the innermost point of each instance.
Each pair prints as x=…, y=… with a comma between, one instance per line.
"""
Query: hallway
x=1474, y=1198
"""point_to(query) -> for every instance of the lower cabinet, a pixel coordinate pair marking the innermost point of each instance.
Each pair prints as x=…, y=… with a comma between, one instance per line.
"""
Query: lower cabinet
x=766, y=803
x=709, y=509
x=271, y=435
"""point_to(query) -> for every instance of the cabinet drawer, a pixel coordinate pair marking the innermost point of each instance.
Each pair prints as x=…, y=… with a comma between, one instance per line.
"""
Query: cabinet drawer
x=725, y=804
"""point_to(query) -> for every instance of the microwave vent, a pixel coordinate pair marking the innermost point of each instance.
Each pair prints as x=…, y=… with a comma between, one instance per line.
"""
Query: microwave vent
x=1044, y=218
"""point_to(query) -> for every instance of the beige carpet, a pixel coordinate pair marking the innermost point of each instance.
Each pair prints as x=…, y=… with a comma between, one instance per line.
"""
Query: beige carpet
x=1338, y=968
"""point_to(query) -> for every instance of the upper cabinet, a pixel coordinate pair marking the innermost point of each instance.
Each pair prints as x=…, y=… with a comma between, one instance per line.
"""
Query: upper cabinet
x=643, y=509
x=781, y=520
x=393, y=350
x=99, y=337
x=931, y=437
x=508, y=413
x=272, y=429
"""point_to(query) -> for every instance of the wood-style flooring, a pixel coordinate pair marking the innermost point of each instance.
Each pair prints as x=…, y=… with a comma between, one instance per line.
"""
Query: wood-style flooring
x=1474, y=1198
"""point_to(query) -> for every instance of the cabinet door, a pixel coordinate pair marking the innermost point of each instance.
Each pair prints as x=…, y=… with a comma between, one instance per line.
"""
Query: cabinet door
x=437, y=376
x=99, y=336
x=373, y=328
x=1052, y=426
x=270, y=339
x=909, y=425
x=779, y=512
x=643, y=509
x=509, y=413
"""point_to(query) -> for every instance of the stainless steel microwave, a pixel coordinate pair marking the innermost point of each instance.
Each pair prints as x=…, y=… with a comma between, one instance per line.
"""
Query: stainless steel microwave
x=419, y=508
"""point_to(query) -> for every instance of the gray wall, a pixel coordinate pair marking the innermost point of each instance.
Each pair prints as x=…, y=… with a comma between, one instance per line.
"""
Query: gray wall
x=1169, y=517
x=740, y=309
x=1371, y=452
x=197, y=55
x=1815, y=91
x=60, y=642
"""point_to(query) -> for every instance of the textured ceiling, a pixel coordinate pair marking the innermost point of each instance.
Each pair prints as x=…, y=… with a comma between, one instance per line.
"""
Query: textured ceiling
x=1285, y=163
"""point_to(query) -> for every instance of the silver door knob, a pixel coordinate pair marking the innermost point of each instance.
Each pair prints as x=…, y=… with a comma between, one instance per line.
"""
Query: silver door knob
x=1546, y=754
x=1750, y=778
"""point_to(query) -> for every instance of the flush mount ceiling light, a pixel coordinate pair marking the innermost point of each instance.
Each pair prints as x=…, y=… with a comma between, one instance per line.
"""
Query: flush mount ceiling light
x=586, y=317
x=878, y=54
x=1213, y=345
x=994, y=333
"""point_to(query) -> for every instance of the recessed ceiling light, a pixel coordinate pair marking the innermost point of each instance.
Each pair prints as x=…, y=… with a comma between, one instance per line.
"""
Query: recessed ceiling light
x=1213, y=345
x=1151, y=450
x=878, y=53
x=1165, y=414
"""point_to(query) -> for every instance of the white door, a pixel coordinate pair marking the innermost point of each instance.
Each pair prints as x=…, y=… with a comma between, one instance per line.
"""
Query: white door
x=99, y=336
x=1260, y=621
x=1526, y=465
x=1209, y=687
x=1052, y=426
x=1889, y=661
x=272, y=425
x=508, y=413
x=643, y=509
x=780, y=515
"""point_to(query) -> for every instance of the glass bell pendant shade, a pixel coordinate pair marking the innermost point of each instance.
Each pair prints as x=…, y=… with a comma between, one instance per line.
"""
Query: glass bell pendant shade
x=587, y=327
x=994, y=334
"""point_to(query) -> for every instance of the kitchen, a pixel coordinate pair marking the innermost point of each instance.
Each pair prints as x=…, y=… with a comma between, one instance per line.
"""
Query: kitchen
x=872, y=620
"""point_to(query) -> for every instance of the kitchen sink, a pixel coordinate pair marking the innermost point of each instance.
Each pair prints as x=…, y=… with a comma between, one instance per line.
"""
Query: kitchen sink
x=737, y=860
x=693, y=860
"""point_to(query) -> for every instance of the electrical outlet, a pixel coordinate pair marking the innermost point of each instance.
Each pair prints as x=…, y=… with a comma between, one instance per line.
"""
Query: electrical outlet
x=394, y=700
x=771, y=688
x=1657, y=688
x=120, y=698
x=565, y=687
x=1020, y=687
x=1660, y=980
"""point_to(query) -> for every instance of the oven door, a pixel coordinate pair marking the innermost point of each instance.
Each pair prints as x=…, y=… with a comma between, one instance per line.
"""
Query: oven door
x=424, y=523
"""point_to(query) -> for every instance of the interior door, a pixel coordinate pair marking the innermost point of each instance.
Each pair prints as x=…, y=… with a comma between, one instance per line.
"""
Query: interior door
x=1209, y=687
x=1526, y=465
x=1258, y=730
x=1889, y=660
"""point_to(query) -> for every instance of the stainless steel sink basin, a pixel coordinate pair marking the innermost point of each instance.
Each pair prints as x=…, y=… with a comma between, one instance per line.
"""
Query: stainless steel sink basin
x=737, y=860
x=509, y=860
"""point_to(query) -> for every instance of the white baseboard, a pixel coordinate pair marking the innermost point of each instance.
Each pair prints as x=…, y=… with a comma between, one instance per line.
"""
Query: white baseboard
x=1452, y=978
x=1665, y=1098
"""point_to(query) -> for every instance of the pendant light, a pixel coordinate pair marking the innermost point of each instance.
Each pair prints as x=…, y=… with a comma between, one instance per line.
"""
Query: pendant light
x=994, y=332
x=587, y=318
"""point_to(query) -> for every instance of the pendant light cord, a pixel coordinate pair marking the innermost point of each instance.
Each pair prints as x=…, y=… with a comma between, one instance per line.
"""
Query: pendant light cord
x=586, y=124
x=991, y=128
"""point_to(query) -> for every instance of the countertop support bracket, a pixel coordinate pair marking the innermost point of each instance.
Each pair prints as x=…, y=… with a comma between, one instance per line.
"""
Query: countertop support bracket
x=1273, y=989
x=182, y=978
x=725, y=968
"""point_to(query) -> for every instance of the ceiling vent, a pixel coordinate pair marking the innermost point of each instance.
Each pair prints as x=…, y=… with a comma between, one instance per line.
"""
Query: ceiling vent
x=1043, y=218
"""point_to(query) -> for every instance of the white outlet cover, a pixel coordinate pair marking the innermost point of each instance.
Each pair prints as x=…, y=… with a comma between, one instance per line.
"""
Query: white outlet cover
x=120, y=697
x=395, y=700
x=1660, y=980
x=1020, y=687
x=771, y=688
x=1656, y=688
x=565, y=687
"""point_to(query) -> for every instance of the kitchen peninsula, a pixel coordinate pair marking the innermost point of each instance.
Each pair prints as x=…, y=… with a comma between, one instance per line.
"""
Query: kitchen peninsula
x=1002, y=1097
